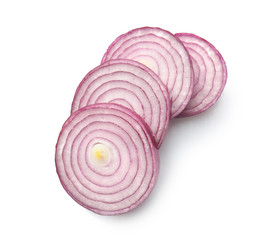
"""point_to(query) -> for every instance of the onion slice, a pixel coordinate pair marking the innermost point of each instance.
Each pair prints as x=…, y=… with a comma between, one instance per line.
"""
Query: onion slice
x=162, y=52
x=105, y=159
x=210, y=73
x=132, y=85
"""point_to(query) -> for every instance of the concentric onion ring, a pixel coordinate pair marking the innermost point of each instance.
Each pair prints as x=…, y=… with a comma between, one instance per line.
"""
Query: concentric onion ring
x=105, y=159
x=132, y=85
x=162, y=52
x=210, y=74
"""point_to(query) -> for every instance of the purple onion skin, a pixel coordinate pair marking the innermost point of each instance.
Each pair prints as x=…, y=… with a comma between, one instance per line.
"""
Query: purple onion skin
x=185, y=112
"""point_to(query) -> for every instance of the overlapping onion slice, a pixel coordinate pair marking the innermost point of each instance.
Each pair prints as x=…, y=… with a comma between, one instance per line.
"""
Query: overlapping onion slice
x=132, y=85
x=105, y=158
x=162, y=52
x=210, y=74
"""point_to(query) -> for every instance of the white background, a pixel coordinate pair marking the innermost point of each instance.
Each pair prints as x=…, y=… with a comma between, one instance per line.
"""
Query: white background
x=218, y=170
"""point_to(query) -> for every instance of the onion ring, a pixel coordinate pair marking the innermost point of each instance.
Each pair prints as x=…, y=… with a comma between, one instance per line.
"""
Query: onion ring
x=132, y=85
x=210, y=74
x=105, y=158
x=162, y=52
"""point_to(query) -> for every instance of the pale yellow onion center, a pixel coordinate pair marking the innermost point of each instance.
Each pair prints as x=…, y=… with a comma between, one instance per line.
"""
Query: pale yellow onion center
x=100, y=154
x=146, y=63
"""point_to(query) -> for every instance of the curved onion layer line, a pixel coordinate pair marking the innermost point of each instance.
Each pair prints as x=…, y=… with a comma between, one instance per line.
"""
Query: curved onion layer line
x=159, y=67
x=214, y=69
x=107, y=80
x=167, y=51
x=112, y=184
x=145, y=68
x=148, y=47
x=159, y=88
x=168, y=59
x=199, y=72
x=136, y=151
x=101, y=85
x=108, y=179
x=157, y=51
x=125, y=88
x=111, y=82
x=109, y=182
x=92, y=142
x=139, y=58
x=131, y=84
x=209, y=79
x=123, y=102
x=114, y=192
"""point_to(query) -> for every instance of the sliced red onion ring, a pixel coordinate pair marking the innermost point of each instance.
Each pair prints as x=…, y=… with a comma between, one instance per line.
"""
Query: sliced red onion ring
x=105, y=159
x=132, y=85
x=210, y=74
x=162, y=52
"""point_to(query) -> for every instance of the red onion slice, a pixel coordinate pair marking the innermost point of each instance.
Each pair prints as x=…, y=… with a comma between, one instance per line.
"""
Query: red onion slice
x=105, y=159
x=210, y=74
x=162, y=52
x=132, y=85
